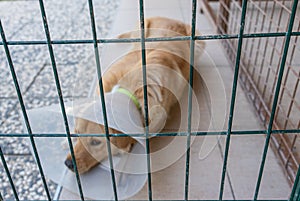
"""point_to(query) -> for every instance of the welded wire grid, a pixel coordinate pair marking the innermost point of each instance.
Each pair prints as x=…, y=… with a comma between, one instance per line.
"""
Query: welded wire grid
x=235, y=19
x=263, y=59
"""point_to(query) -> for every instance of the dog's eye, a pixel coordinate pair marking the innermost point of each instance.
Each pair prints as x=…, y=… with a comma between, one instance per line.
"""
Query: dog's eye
x=95, y=142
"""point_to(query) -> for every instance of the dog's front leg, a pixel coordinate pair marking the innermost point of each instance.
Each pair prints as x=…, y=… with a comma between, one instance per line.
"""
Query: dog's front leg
x=158, y=111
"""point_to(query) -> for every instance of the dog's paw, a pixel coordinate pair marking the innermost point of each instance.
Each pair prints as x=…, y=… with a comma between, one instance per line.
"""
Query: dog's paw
x=158, y=117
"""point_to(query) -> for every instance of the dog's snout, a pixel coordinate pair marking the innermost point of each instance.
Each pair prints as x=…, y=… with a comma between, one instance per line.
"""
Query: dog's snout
x=69, y=164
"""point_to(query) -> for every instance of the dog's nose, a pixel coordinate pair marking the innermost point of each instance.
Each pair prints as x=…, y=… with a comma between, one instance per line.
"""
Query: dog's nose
x=69, y=164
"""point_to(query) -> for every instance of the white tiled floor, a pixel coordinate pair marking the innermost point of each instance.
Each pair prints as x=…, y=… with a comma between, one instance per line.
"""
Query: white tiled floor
x=245, y=151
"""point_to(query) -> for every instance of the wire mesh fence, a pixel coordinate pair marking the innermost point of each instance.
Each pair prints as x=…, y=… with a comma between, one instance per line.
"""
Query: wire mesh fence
x=264, y=61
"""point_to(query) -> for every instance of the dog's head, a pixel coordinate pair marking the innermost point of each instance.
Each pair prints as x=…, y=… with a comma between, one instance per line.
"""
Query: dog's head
x=90, y=151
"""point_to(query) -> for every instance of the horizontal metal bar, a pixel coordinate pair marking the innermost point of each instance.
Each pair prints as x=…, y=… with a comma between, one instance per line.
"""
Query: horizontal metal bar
x=131, y=40
x=189, y=200
x=200, y=133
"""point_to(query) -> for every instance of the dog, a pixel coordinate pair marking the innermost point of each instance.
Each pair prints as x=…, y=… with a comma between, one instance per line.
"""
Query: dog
x=167, y=78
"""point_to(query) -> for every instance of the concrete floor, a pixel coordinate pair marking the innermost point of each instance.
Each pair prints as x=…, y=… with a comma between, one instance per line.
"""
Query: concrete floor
x=213, y=93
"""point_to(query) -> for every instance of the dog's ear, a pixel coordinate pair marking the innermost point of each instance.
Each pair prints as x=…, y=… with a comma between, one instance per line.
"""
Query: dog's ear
x=137, y=33
x=188, y=30
x=123, y=143
x=147, y=27
x=126, y=35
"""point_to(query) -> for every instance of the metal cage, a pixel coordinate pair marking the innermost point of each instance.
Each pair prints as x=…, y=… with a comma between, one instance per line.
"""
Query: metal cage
x=276, y=112
x=260, y=65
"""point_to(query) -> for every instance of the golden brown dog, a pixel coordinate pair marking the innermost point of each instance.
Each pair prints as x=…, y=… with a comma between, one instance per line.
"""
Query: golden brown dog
x=167, y=66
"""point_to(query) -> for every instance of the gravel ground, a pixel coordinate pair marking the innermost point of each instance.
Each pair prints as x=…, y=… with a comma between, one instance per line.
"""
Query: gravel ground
x=68, y=19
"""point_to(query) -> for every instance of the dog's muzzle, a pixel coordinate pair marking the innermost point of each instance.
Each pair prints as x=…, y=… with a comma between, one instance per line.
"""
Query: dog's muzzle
x=69, y=164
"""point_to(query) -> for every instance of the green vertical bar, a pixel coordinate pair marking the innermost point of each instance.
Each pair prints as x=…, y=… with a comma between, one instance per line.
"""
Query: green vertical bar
x=146, y=118
x=190, y=92
x=296, y=188
x=96, y=51
x=233, y=96
x=275, y=100
x=60, y=96
x=14, y=76
x=9, y=176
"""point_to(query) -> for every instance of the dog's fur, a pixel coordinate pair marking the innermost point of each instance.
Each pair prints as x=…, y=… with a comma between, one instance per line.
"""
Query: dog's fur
x=161, y=57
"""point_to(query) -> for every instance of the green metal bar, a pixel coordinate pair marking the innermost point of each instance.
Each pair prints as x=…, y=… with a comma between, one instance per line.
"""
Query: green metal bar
x=199, y=133
x=9, y=176
x=190, y=93
x=296, y=188
x=297, y=194
x=276, y=95
x=146, y=118
x=132, y=40
x=96, y=51
x=233, y=96
x=190, y=200
x=19, y=94
x=61, y=100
